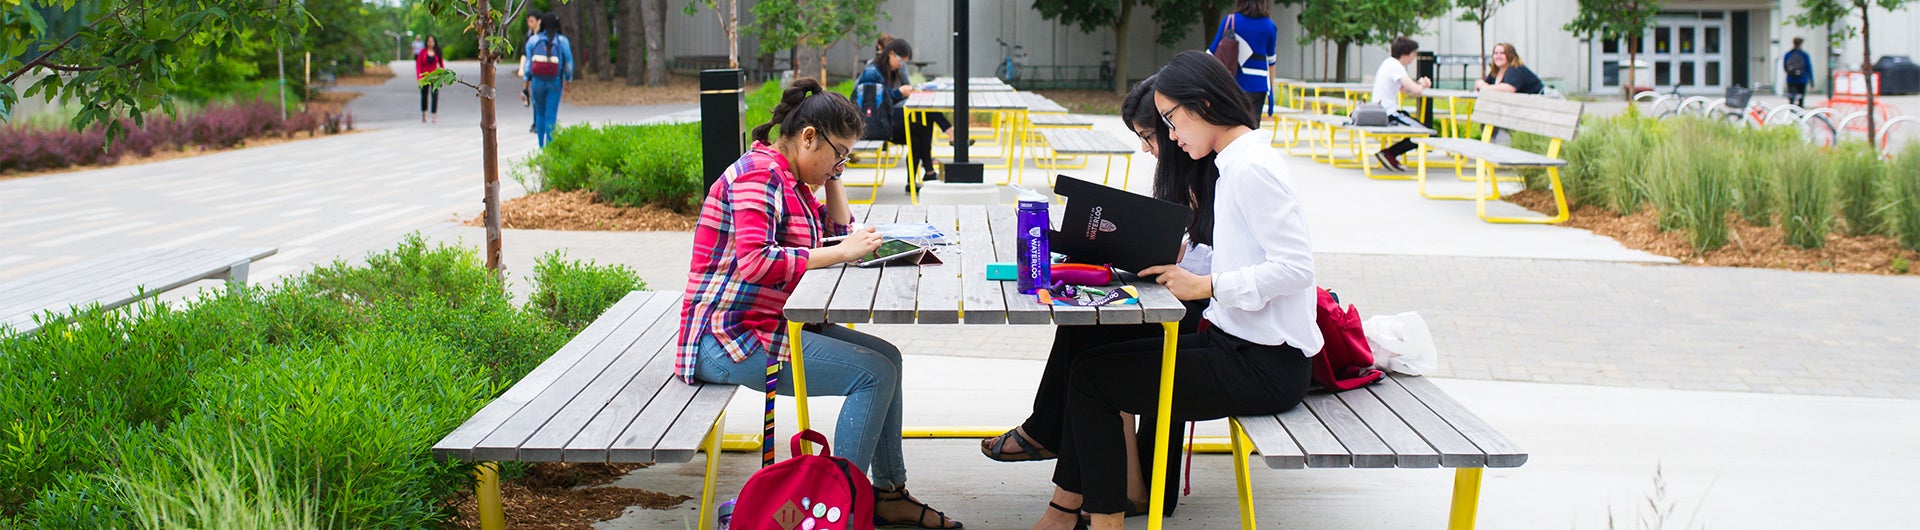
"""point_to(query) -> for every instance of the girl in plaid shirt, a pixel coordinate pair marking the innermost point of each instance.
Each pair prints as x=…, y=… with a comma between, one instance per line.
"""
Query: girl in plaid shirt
x=760, y=230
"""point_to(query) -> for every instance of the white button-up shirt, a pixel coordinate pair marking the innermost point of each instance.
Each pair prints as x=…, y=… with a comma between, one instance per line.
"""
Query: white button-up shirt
x=1263, y=282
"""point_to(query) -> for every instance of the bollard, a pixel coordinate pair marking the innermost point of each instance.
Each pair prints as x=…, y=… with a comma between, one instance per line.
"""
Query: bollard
x=722, y=134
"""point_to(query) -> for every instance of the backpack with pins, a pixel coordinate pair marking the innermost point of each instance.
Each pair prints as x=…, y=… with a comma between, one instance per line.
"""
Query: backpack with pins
x=545, y=65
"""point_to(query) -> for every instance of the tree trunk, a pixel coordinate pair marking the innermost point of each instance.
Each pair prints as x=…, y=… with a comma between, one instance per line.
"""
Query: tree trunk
x=1633, y=54
x=633, y=41
x=732, y=28
x=1120, y=47
x=1326, y=47
x=823, y=65
x=601, y=44
x=656, y=36
x=626, y=56
x=1866, y=72
x=568, y=13
x=490, y=147
x=1340, y=71
x=1485, y=69
x=1209, y=22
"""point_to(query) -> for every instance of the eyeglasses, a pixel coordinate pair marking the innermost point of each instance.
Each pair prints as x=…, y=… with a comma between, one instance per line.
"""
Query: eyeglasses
x=1165, y=117
x=844, y=158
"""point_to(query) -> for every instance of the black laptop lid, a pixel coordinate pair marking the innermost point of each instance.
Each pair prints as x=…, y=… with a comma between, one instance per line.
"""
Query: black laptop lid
x=1108, y=226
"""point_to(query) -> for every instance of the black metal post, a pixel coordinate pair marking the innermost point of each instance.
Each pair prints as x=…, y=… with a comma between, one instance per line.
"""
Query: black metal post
x=722, y=96
x=962, y=170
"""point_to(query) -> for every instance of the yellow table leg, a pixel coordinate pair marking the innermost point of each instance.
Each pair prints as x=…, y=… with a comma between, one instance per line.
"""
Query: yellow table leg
x=799, y=381
x=1466, y=499
x=486, y=496
x=1242, y=450
x=714, y=438
x=1163, y=421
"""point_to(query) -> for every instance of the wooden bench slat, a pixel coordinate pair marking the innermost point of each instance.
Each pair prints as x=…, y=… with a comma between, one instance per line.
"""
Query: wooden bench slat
x=853, y=300
x=815, y=289
x=984, y=301
x=1085, y=142
x=39, y=285
x=607, y=392
x=898, y=293
x=1059, y=120
x=1454, y=449
x=940, y=285
x=637, y=430
x=1022, y=308
x=124, y=289
x=683, y=438
x=460, y=443
x=38, y=292
x=1500, y=451
x=1367, y=449
x=1321, y=447
x=553, y=392
x=1496, y=154
x=1159, y=305
x=1409, y=449
x=1276, y=448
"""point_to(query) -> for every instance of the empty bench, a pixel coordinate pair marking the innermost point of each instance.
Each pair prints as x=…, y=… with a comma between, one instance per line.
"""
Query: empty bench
x=1360, y=140
x=1400, y=422
x=608, y=396
x=1555, y=119
x=118, y=280
x=874, y=154
x=1085, y=144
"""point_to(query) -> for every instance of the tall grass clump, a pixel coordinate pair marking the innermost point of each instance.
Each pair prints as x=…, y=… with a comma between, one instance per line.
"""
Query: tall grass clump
x=1904, y=185
x=235, y=485
x=1807, y=195
x=1758, y=174
x=1858, y=175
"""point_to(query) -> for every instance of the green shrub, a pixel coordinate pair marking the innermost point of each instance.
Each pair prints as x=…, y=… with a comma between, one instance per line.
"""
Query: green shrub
x=760, y=103
x=1858, y=174
x=1705, y=199
x=1806, y=193
x=235, y=485
x=1758, y=160
x=1536, y=178
x=573, y=293
x=1904, y=182
x=627, y=165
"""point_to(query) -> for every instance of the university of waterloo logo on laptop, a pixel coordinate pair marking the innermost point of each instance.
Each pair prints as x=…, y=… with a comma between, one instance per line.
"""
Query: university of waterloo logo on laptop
x=1096, y=225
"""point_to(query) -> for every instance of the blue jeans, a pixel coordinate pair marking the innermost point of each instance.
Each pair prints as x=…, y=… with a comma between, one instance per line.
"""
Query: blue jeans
x=840, y=362
x=545, y=95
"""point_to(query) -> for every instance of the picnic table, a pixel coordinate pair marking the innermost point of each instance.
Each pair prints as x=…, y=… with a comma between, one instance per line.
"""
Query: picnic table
x=958, y=291
x=1009, y=110
x=977, y=84
x=1458, y=104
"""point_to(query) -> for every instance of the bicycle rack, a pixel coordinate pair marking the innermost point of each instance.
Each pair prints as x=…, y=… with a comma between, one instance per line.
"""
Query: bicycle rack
x=1771, y=113
x=1887, y=128
x=1658, y=100
x=1712, y=105
x=1824, y=113
x=1842, y=127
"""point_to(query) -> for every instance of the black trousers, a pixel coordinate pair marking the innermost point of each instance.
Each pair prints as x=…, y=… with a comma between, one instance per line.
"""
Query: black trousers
x=430, y=100
x=1797, y=93
x=1404, y=145
x=1217, y=375
x=1047, y=424
x=922, y=134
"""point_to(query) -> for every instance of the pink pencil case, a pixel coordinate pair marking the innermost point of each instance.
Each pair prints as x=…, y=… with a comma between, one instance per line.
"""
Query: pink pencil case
x=1081, y=274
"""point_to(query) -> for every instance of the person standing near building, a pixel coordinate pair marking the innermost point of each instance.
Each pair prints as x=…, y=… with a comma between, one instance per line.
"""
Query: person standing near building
x=1799, y=67
x=426, y=61
x=1389, y=82
x=1256, y=35
x=549, y=69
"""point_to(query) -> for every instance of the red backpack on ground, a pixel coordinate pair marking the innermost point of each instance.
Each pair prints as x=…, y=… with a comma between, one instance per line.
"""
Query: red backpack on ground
x=806, y=492
x=1346, y=362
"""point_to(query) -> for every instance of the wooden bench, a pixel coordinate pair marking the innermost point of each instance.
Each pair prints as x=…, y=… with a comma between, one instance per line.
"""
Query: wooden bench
x=1360, y=141
x=882, y=157
x=1400, y=422
x=1085, y=144
x=1059, y=121
x=1555, y=119
x=1039, y=104
x=609, y=395
x=118, y=280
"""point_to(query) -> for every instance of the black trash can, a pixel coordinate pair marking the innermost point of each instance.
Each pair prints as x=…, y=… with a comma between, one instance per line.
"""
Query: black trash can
x=1898, y=75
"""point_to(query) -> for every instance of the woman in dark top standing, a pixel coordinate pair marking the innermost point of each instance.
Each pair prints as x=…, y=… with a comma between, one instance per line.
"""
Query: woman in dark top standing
x=1509, y=74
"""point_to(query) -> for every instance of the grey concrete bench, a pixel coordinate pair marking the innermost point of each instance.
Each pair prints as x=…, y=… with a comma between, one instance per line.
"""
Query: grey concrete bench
x=1558, y=120
x=118, y=280
x=610, y=396
x=1084, y=144
x=1400, y=422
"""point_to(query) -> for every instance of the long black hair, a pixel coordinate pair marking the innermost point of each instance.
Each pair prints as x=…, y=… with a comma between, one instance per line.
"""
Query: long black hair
x=1176, y=178
x=807, y=104
x=550, y=25
x=888, y=73
x=1199, y=83
x=435, y=45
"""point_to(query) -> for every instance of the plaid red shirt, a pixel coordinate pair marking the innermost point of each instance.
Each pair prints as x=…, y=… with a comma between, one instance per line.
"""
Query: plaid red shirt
x=749, y=252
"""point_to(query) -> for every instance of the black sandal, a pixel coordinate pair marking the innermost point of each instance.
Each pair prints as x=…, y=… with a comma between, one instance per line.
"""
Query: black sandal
x=1029, y=451
x=880, y=496
x=1081, y=521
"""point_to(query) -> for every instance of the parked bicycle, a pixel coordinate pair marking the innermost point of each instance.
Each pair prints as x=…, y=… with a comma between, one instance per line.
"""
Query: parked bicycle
x=1012, y=57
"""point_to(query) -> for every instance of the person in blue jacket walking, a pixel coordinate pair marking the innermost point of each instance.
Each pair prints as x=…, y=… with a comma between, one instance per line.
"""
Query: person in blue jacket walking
x=548, y=67
x=1249, y=23
x=1799, y=67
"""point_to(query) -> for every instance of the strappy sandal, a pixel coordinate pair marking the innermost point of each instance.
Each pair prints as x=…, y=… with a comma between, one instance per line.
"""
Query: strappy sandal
x=880, y=496
x=1029, y=451
x=1080, y=520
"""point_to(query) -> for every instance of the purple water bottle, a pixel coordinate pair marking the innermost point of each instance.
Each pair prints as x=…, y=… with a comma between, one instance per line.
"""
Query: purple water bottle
x=1036, y=260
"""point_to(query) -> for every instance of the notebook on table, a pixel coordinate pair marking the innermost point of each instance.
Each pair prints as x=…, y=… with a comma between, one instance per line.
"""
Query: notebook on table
x=1111, y=226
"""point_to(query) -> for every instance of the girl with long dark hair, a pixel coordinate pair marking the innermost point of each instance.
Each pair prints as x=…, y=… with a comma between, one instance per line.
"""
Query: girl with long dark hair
x=885, y=70
x=426, y=61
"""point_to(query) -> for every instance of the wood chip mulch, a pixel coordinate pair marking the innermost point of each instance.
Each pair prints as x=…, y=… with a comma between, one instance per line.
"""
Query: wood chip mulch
x=1750, y=246
x=1086, y=101
x=581, y=210
x=558, y=496
x=593, y=92
x=374, y=75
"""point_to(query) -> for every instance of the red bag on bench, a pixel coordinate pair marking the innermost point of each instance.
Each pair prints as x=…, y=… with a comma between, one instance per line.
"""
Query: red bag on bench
x=1346, y=362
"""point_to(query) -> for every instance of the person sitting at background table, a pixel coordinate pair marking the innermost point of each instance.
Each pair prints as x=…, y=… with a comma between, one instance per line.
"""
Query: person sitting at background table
x=1509, y=74
x=885, y=69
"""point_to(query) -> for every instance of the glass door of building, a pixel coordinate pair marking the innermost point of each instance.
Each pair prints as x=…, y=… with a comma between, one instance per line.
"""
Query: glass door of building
x=1688, y=52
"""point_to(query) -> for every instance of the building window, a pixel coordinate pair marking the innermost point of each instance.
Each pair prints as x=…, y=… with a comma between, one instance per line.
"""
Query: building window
x=1713, y=40
x=1713, y=72
x=1610, y=73
x=1686, y=40
x=1662, y=73
x=1610, y=46
x=1662, y=40
x=1686, y=73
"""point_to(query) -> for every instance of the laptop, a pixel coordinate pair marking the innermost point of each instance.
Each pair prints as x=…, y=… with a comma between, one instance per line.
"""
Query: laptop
x=1110, y=226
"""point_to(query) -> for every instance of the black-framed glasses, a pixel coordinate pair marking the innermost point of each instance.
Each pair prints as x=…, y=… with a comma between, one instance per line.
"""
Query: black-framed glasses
x=844, y=158
x=1166, y=117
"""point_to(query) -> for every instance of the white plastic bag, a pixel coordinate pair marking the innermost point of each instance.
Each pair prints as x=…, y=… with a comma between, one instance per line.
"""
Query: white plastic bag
x=1402, y=343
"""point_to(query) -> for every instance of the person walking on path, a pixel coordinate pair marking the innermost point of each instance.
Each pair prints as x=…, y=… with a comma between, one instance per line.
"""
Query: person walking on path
x=426, y=61
x=549, y=69
x=1256, y=38
x=761, y=230
x=1799, y=67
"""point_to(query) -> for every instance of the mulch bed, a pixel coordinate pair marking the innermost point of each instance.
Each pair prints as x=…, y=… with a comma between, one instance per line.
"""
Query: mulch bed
x=374, y=75
x=581, y=210
x=1751, y=246
x=591, y=92
x=557, y=496
x=1086, y=101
